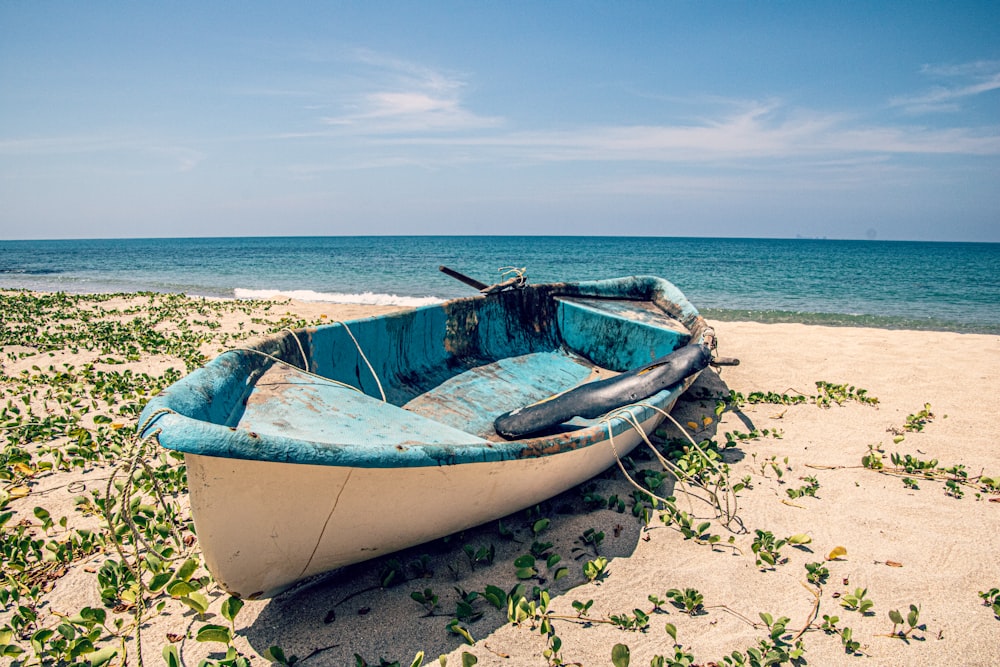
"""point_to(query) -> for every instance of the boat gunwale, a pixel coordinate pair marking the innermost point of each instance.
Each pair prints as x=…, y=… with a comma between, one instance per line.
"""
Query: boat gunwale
x=186, y=434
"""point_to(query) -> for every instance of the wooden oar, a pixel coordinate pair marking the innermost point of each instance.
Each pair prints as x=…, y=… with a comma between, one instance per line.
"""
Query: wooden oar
x=471, y=282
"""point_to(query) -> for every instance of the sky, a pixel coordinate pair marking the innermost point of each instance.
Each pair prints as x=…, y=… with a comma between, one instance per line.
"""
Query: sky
x=846, y=120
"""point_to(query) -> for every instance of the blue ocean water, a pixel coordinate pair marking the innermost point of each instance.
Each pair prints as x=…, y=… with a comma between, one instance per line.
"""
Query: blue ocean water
x=914, y=285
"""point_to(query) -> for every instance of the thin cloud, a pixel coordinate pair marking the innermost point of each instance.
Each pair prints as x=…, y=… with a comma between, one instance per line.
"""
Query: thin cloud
x=407, y=97
x=764, y=131
x=397, y=111
x=181, y=158
x=962, y=81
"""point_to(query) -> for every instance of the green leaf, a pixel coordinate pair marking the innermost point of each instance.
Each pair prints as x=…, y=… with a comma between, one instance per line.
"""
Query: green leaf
x=896, y=617
x=418, y=659
x=496, y=596
x=179, y=589
x=672, y=631
x=160, y=580
x=196, y=601
x=527, y=560
x=455, y=628
x=231, y=607
x=214, y=633
x=40, y=637
x=620, y=655
x=275, y=654
x=801, y=538
x=10, y=650
x=468, y=660
x=103, y=656
x=171, y=656
x=187, y=569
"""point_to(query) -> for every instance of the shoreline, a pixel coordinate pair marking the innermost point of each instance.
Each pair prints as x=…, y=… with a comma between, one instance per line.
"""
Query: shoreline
x=904, y=545
x=294, y=298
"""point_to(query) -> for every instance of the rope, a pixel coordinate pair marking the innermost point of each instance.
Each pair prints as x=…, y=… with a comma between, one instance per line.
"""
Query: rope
x=625, y=413
x=282, y=362
x=365, y=358
x=521, y=274
x=302, y=351
x=621, y=466
x=136, y=458
x=306, y=371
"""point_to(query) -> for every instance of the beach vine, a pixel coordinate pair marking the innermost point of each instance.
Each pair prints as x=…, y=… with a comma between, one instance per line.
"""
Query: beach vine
x=134, y=536
x=128, y=529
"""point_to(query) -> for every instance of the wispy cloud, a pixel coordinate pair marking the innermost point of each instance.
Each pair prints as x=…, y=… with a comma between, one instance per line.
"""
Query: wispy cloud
x=959, y=82
x=151, y=152
x=403, y=96
x=761, y=131
x=400, y=112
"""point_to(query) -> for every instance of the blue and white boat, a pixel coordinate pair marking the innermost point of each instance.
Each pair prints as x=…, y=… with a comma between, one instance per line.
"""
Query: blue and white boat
x=317, y=448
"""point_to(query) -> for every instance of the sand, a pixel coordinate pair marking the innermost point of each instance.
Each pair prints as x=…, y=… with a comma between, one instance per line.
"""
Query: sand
x=904, y=545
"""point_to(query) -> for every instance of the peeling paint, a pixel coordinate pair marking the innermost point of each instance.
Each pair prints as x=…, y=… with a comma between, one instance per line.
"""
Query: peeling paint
x=448, y=370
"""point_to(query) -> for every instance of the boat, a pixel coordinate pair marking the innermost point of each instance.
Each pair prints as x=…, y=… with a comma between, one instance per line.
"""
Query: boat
x=321, y=447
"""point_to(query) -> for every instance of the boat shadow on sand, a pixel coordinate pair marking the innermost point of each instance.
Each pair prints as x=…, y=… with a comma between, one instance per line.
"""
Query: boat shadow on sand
x=388, y=609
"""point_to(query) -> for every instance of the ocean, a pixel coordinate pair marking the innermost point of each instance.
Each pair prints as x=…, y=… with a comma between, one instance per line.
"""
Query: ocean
x=886, y=284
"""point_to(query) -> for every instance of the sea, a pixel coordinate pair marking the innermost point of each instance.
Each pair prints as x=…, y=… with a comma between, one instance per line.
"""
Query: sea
x=884, y=284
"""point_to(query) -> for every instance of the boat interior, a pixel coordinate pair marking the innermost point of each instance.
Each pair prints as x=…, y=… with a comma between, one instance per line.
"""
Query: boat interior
x=446, y=372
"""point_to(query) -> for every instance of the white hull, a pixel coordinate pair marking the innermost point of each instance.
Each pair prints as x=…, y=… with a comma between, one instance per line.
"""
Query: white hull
x=265, y=525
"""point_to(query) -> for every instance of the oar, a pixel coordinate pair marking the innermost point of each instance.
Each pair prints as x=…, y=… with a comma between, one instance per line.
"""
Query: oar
x=471, y=282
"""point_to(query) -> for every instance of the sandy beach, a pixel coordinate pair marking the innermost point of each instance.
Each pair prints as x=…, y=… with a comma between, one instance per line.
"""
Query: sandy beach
x=900, y=538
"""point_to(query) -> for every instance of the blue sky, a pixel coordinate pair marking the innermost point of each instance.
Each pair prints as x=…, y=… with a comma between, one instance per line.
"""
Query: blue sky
x=840, y=119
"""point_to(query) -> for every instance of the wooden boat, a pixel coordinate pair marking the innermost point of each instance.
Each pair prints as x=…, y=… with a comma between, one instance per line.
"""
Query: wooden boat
x=389, y=438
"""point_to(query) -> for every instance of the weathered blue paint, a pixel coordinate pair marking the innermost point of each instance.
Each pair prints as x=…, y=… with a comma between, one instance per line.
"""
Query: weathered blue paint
x=447, y=372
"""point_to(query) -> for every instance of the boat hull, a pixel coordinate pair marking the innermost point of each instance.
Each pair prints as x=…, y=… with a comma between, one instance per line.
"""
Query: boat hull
x=296, y=521
x=322, y=447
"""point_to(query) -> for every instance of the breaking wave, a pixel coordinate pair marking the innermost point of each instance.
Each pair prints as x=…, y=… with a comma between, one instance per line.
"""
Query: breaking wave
x=365, y=298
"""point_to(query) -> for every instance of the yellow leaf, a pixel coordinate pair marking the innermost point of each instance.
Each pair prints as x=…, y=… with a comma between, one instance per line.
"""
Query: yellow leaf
x=692, y=426
x=19, y=492
x=23, y=468
x=706, y=420
x=838, y=552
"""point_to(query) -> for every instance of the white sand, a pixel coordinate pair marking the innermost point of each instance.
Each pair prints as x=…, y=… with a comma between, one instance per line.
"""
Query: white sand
x=904, y=546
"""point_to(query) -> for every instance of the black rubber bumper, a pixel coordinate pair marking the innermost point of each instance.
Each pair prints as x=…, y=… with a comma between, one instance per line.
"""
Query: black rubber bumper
x=594, y=399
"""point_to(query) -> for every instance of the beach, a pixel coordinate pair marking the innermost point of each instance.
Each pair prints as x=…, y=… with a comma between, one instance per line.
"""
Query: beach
x=876, y=538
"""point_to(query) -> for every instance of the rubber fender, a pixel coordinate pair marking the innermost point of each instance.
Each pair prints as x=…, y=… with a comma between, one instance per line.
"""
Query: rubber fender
x=594, y=399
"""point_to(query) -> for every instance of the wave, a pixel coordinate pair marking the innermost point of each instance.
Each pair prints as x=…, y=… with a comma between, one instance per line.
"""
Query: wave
x=29, y=272
x=365, y=298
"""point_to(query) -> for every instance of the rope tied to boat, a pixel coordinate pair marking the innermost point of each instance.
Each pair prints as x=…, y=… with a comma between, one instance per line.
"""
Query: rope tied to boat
x=726, y=507
x=138, y=457
x=304, y=370
x=364, y=357
x=520, y=275
x=302, y=350
x=518, y=279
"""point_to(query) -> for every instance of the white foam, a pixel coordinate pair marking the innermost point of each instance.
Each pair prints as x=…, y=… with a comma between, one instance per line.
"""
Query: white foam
x=366, y=298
